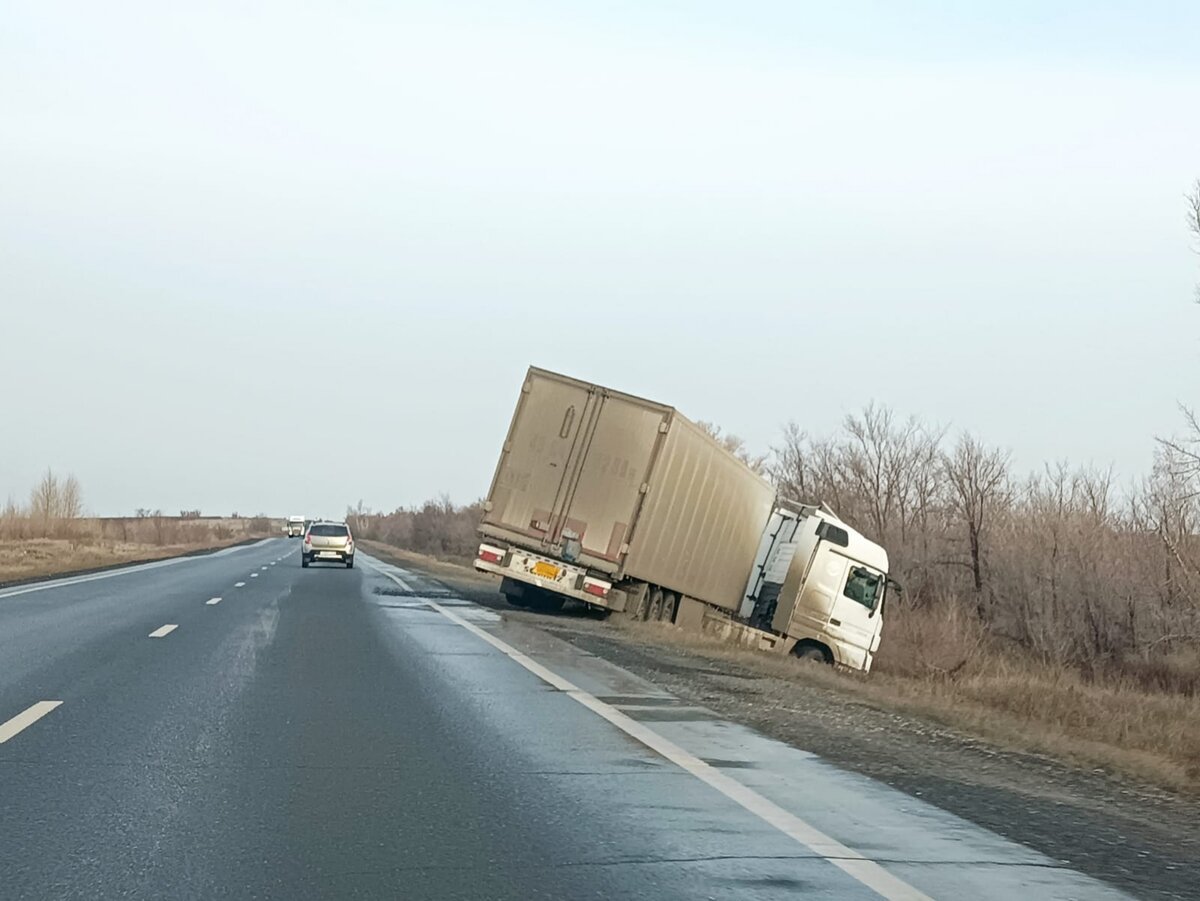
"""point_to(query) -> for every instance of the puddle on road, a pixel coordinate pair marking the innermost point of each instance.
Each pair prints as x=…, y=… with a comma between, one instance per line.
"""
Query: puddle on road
x=730, y=764
x=672, y=715
x=639, y=700
x=390, y=592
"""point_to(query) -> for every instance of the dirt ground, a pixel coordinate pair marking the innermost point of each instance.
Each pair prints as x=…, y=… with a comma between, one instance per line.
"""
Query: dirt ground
x=1137, y=837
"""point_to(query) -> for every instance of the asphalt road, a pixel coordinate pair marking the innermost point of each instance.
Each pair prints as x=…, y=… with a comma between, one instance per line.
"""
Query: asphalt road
x=333, y=733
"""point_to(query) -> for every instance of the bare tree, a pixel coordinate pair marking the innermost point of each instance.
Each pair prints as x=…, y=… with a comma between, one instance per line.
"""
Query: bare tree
x=979, y=477
x=789, y=463
x=735, y=446
x=70, y=498
x=44, y=503
x=1193, y=220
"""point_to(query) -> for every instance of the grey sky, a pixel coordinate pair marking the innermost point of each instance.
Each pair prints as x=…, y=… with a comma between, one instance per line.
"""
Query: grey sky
x=280, y=258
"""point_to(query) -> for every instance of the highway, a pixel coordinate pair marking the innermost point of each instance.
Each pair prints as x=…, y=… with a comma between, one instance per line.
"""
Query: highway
x=235, y=726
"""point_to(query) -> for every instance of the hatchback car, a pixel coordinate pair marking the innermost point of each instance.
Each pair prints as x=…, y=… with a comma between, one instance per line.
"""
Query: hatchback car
x=328, y=541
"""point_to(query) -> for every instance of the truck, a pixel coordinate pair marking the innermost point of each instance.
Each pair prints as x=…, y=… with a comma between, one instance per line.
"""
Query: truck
x=295, y=526
x=626, y=505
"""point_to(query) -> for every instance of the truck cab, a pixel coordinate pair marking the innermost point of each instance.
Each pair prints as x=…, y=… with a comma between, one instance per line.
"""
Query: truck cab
x=821, y=585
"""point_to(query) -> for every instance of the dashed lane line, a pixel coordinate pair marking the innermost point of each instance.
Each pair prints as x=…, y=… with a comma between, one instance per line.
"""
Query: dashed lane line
x=25, y=719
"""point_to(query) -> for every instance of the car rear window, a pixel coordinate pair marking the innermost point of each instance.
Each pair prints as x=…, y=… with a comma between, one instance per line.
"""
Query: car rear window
x=328, y=531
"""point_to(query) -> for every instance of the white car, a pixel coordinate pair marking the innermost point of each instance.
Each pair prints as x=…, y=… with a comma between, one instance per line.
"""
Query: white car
x=329, y=542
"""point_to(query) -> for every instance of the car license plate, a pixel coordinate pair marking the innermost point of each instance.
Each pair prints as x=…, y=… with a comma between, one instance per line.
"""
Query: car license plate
x=545, y=570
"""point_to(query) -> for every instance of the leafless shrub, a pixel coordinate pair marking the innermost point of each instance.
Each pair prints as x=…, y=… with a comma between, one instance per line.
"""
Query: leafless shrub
x=937, y=640
x=736, y=446
x=438, y=527
x=1059, y=565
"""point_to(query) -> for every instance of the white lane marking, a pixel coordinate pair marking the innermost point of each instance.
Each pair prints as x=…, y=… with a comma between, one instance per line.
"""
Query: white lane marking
x=262, y=567
x=849, y=861
x=273, y=562
x=253, y=575
x=25, y=719
x=211, y=601
x=126, y=570
x=164, y=631
x=239, y=584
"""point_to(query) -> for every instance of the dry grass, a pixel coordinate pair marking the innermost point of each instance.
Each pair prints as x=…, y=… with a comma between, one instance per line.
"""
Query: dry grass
x=99, y=543
x=1110, y=723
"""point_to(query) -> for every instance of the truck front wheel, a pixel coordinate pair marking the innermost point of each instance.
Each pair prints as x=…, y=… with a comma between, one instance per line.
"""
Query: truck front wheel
x=809, y=650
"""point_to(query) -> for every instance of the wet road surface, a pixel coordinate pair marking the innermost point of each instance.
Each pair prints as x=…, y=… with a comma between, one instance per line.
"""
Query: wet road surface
x=333, y=733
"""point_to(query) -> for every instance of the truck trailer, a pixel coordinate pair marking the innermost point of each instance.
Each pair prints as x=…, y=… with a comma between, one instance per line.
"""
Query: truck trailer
x=625, y=504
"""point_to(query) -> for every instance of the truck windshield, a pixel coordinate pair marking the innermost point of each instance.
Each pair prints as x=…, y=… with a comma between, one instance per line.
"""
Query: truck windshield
x=863, y=586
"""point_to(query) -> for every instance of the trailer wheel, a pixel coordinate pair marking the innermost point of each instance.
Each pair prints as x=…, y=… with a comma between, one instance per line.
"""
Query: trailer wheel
x=548, y=602
x=669, y=606
x=655, y=607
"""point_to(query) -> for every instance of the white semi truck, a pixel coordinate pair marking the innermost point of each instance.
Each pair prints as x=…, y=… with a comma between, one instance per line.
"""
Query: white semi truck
x=295, y=526
x=627, y=505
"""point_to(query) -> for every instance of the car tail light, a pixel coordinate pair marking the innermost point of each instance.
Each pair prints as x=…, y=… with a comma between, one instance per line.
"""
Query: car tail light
x=308, y=539
x=490, y=554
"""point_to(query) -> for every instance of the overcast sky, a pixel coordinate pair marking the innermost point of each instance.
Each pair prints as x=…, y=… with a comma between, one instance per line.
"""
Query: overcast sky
x=280, y=256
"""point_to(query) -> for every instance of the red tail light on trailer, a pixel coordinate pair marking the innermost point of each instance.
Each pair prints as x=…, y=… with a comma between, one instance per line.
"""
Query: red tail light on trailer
x=490, y=554
x=597, y=588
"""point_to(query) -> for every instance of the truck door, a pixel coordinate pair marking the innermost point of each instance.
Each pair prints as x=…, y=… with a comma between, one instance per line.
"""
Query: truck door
x=856, y=616
x=601, y=505
x=543, y=448
x=776, y=552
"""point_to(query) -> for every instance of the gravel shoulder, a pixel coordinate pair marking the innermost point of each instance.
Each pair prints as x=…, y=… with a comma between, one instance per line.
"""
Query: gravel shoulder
x=1137, y=837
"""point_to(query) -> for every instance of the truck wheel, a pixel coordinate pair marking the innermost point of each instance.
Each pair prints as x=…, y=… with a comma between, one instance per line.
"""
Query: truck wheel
x=548, y=602
x=812, y=652
x=655, y=606
x=514, y=592
x=516, y=598
x=669, y=605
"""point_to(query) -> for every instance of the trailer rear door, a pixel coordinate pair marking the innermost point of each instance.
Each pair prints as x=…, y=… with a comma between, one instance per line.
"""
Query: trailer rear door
x=544, y=447
x=605, y=498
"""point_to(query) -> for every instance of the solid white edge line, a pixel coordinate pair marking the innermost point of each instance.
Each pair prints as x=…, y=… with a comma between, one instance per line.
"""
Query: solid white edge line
x=164, y=631
x=211, y=601
x=25, y=719
x=849, y=861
